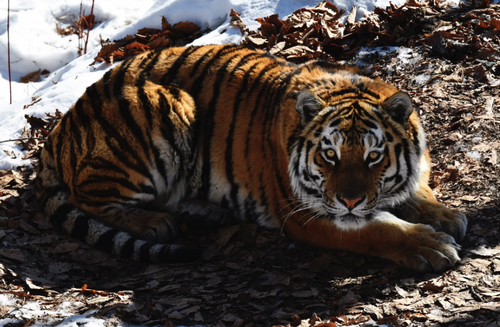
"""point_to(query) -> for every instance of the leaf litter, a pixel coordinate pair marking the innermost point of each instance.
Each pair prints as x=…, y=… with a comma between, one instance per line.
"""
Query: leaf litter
x=251, y=276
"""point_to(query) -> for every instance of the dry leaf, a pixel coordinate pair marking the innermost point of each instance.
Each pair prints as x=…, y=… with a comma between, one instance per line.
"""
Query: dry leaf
x=31, y=77
x=236, y=21
x=13, y=254
x=186, y=28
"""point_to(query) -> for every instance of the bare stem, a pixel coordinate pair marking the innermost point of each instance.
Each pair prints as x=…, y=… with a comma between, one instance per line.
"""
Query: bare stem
x=8, y=49
x=89, y=26
x=24, y=139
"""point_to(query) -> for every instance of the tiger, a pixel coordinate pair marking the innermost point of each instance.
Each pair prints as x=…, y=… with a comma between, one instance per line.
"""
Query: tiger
x=222, y=134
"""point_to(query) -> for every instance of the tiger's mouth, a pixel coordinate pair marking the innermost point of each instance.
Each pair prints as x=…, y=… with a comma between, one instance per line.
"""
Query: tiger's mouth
x=350, y=221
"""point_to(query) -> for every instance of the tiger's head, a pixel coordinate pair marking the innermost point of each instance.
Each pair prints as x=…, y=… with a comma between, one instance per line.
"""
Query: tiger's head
x=358, y=151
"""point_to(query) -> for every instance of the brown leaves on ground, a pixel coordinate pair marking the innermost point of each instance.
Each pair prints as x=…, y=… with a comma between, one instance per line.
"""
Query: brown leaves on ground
x=251, y=276
x=316, y=33
x=32, y=138
x=146, y=39
x=77, y=26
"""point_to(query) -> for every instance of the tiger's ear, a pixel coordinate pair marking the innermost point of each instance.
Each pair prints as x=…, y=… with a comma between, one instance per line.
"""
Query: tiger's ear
x=308, y=105
x=399, y=107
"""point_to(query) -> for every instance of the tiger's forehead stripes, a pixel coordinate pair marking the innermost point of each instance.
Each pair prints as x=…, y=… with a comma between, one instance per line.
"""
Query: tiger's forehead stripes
x=374, y=138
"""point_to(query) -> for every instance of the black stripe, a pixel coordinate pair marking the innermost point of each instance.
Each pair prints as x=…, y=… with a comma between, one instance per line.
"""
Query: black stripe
x=61, y=214
x=258, y=97
x=397, y=153
x=84, y=120
x=145, y=74
x=80, y=228
x=279, y=98
x=106, y=83
x=120, y=78
x=209, y=117
x=367, y=122
x=148, y=189
x=111, y=193
x=300, y=144
x=409, y=167
x=127, y=249
x=60, y=141
x=144, y=255
x=309, y=191
x=135, y=129
x=103, y=164
x=174, y=68
x=232, y=127
x=197, y=86
x=106, y=241
x=416, y=140
x=103, y=177
x=198, y=62
x=343, y=92
x=165, y=254
x=168, y=128
x=243, y=60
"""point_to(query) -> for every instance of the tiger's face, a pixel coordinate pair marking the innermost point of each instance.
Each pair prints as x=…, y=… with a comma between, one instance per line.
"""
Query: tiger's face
x=353, y=158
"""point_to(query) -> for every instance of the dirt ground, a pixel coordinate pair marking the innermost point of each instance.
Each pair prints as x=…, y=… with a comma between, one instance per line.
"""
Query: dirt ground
x=251, y=276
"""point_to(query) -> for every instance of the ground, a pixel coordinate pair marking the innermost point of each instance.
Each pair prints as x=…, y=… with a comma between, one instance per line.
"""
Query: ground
x=252, y=276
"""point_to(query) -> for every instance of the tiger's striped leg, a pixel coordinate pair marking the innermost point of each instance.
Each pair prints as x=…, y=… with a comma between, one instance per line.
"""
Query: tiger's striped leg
x=415, y=246
x=423, y=208
x=156, y=227
x=199, y=212
x=95, y=232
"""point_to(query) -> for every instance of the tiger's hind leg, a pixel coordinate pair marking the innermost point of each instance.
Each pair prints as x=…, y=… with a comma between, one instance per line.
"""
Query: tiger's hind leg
x=152, y=226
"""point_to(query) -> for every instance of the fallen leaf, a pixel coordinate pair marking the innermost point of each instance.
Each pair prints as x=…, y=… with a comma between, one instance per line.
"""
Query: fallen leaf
x=236, y=21
x=31, y=77
x=13, y=254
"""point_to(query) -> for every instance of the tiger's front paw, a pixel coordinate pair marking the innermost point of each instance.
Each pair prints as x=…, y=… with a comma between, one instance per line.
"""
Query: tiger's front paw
x=427, y=250
x=450, y=221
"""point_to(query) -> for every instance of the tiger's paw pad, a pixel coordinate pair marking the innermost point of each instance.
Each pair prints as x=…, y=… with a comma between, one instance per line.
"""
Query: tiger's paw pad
x=430, y=251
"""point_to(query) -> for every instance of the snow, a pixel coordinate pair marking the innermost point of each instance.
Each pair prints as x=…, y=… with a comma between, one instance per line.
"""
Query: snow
x=35, y=44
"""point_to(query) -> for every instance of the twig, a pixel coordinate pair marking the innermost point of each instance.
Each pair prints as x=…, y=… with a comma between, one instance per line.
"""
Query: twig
x=24, y=138
x=8, y=49
x=89, y=26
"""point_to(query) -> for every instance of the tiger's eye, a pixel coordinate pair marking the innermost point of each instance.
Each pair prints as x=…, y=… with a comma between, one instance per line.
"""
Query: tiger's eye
x=330, y=154
x=374, y=155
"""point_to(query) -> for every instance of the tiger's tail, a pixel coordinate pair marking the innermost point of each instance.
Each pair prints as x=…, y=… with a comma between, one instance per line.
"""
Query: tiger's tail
x=53, y=195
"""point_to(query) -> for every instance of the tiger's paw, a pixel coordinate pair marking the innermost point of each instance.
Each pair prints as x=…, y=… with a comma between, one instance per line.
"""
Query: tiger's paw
x=449, y=221
x=160, y=228
x=198, y=212
x=428, y=251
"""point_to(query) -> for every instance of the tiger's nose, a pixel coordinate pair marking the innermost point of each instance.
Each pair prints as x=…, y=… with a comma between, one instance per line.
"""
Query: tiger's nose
x=350, y=202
